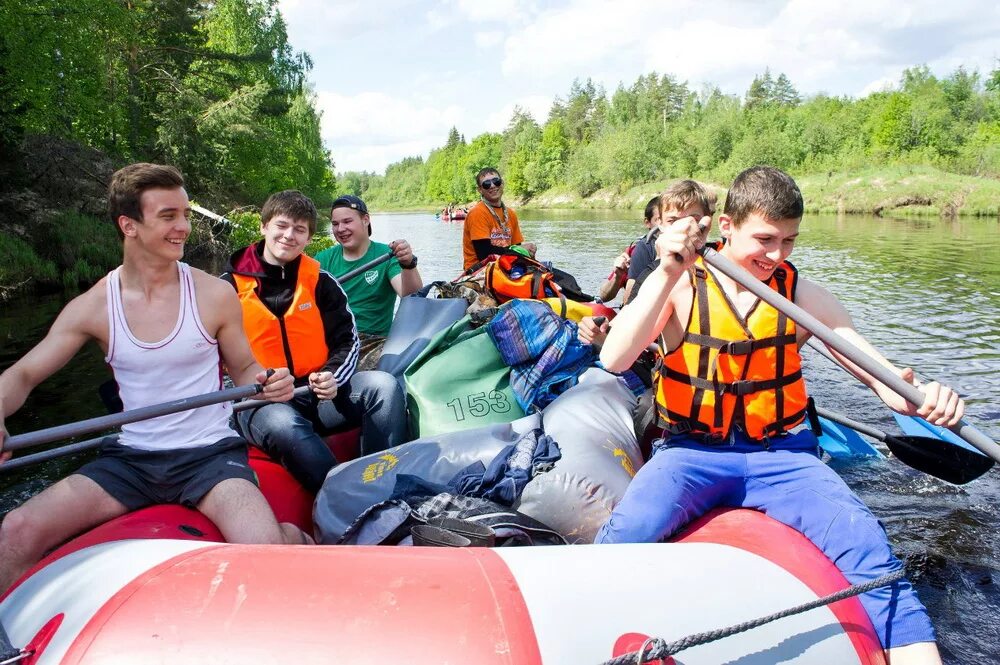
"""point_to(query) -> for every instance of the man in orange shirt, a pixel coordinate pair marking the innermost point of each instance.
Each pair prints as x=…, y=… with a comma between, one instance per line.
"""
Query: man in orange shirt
x=491, y=227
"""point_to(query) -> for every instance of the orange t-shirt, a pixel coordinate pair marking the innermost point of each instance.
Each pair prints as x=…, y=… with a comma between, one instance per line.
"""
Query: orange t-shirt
x=482, y=224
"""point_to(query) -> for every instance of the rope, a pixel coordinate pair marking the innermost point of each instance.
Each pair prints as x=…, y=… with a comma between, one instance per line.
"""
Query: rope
x=658, y=649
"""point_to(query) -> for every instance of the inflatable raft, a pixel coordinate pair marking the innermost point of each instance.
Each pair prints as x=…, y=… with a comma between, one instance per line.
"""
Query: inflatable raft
x=176, y=597
x=158, y=586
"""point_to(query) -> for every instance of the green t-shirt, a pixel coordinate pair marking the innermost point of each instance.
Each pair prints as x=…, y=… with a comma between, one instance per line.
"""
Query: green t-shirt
x=369, y=295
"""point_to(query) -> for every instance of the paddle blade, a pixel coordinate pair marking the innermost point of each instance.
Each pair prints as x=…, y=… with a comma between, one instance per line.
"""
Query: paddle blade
x=941, y=459
x=919, y=427
x=841, y=442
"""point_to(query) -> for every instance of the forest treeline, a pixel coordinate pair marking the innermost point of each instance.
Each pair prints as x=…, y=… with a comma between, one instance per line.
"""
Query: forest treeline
x=660, y=128
x=211, y=87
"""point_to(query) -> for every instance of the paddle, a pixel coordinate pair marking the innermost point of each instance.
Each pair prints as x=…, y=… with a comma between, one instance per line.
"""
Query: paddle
x=81, y=446
x=354, y=272
x=933, y=456
x=843, y=442
x=113, y=420
x=909, y=424
x=908, y=392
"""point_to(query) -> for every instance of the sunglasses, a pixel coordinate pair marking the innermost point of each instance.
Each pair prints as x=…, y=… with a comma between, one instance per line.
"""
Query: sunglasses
x=490, y=183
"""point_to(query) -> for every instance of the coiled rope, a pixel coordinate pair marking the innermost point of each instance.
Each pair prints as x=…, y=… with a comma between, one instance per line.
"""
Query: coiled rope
x=656, y=649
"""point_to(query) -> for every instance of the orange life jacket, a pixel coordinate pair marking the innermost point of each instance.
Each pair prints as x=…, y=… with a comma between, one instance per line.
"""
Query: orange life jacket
x=513, y=276
x=729, y=371
x=294, y=340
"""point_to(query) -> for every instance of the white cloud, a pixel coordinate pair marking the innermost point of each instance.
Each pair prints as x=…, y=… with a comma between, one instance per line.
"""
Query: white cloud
x=503, y=53
x=370, y=126
x=489, y=39
x=492, y=10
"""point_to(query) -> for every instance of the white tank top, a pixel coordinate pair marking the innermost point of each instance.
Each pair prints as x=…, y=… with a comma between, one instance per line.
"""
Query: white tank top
x=183, y=364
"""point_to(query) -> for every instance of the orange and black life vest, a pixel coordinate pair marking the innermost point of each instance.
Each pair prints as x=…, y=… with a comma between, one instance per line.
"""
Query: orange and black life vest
x=733, y=371
x=514, y=276
x=294, y=340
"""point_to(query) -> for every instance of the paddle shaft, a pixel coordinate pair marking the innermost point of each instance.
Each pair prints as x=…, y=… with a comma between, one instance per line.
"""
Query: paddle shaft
x=853, y=424
x=803, y=318
x=354, y=272
x=113, y=420
x=82, y=446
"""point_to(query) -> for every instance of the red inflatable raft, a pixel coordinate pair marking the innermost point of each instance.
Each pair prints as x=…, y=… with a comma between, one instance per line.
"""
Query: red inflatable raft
x=155, y=587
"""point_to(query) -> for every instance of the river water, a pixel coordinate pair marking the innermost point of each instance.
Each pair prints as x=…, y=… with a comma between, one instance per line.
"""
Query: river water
x=926, y=292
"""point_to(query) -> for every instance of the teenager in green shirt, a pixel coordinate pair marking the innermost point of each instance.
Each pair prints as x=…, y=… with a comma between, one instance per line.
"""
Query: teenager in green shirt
x=372, y=295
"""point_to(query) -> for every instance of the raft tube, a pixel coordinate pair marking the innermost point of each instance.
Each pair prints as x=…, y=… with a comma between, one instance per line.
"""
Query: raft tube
x=191, y=601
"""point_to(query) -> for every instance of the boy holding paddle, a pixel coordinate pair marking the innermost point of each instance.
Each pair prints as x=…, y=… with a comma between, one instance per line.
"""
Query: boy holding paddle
x=296, y=314
x=165, y=329
x=730, y=390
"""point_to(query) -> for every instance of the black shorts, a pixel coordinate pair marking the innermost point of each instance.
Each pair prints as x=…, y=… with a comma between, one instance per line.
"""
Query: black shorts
x=138, y=478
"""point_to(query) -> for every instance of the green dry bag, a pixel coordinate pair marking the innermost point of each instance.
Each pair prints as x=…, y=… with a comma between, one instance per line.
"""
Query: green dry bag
x=459, y=382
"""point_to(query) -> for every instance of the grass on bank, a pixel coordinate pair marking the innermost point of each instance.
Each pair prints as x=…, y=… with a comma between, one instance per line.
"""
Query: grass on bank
x=896, y=190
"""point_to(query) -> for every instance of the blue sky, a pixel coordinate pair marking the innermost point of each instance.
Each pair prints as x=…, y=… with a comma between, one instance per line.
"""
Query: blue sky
x=392, y=76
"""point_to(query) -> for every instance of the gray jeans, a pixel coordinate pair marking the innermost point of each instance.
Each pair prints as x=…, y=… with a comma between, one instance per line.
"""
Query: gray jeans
x=292, y=432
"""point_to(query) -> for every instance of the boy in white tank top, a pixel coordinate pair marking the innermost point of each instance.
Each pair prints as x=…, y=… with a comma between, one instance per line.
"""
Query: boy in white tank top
x=164, y=328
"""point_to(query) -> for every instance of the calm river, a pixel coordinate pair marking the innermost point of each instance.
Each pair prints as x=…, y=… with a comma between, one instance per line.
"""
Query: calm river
x=927, y=292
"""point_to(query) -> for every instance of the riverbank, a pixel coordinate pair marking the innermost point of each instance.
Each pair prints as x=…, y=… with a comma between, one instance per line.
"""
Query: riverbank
x=899, y=191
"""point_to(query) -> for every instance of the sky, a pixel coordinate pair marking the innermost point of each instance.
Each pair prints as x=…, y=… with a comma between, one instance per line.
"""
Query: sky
x=393, y=76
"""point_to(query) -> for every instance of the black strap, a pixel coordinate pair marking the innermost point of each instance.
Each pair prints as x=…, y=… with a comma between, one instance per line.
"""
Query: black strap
x=779, y=365
x=740, y=347
x=814, y=422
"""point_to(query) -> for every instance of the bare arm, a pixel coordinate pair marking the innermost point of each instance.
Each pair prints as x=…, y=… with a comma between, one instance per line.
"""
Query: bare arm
x=629, y=285
x=74, y=326
x=609, y=289
x=639, y=324
x=408, y=281
x=942, y=405
x=233, y=346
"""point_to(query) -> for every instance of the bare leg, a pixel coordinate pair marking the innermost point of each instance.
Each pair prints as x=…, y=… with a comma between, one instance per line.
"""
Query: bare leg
x=72, y=505
x=243, y=515
x=919, y=653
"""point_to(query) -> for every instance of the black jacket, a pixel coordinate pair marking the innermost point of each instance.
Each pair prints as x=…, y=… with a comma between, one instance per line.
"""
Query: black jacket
x=276, y=288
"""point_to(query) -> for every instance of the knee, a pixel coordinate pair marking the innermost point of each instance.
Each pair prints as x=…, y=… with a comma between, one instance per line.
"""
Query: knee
x=382, y=384
x=275, y=420
x=21, y=531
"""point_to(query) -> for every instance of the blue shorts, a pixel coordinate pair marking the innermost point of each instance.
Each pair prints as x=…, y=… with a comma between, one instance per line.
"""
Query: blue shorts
x=787, y=481
x=139, y=478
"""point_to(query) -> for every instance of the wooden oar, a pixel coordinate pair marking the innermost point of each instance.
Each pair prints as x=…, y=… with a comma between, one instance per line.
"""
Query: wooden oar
x=931, y=455
x=113, y=420
x=803, y=318
x=90, y=444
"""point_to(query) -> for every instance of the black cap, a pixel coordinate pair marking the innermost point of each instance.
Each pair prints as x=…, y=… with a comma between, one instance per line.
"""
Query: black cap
x=350, y=201
x=354, y=203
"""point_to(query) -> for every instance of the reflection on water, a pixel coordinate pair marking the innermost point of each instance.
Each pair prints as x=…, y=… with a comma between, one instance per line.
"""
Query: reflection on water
x=926, y=292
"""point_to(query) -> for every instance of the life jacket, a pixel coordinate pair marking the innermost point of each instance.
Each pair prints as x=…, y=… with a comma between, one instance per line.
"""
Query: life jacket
x=296, y=339
x=728, y=371
x=512, y=276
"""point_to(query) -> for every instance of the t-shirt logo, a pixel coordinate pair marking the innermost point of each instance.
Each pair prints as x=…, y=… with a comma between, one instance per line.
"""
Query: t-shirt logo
x=371, y=276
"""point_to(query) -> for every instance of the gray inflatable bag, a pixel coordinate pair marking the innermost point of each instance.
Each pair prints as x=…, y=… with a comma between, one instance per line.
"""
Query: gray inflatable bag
x=592, y=423
x=417, y=321
x=352, y=487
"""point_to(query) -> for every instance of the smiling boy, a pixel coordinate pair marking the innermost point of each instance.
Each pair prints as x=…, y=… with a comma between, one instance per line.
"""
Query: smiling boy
x=490, y=227
x=730, y=390
x=165, y=329
x=297, y=314
x=372, y=296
